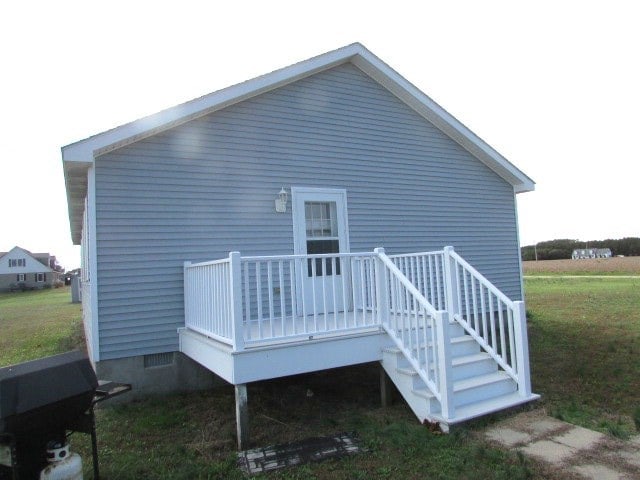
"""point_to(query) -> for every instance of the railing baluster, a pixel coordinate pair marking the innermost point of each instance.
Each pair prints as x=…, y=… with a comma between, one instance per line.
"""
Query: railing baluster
x=259, y=299
x=247, y=301
x=492, y=318
x=353, y=292
x=503, y=345
x=323, y=271
x=294, y=298
x=344, y=274
x=334, y=274
x=362, y=291
x=283, y=317
x=313, y=291
x=303, y=265
x=512, y=344
x=270, y=297
x=485, y=293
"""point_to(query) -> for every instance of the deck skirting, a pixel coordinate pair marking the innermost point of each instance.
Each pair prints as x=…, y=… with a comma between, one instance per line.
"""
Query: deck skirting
x=285, y=359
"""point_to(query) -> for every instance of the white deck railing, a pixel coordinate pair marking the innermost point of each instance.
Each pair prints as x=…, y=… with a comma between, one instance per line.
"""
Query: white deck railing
x=208, y=299
x=419, y=330
x=261, y=300
x=496, y=322
x=426, y=272
x=300, y=296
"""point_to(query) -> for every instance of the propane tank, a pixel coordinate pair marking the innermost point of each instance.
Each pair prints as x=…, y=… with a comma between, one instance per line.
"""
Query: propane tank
x=63, y=464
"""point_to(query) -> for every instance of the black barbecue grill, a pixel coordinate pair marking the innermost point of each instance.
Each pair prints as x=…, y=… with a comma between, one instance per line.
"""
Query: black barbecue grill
x=42, y=400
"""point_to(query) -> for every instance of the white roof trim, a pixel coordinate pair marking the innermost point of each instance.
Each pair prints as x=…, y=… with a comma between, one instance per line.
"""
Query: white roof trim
x=82, y=153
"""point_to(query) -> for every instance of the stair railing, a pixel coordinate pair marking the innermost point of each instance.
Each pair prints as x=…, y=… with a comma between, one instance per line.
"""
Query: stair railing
x=419, y=330
x=496, y=322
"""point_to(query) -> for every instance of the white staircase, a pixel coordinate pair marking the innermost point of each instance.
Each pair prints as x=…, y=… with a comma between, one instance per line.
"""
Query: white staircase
x=466, y=360
x=479, y=387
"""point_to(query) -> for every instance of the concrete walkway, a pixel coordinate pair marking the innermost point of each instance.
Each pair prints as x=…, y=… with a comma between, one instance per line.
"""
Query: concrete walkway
x=574, y=451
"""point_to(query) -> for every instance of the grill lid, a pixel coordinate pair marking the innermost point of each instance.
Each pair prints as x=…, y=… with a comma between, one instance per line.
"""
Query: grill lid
x=30, y=385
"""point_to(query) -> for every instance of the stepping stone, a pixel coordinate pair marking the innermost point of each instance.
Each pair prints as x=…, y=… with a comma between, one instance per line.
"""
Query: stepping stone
x=579, y=438
x=508, y=437
x=632, y=458
x=546, y=425
x=548, y=451
x=598, y=472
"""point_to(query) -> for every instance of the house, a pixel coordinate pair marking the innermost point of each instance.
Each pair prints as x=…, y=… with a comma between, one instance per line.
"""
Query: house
x=22, y=270
x=582, y=253
x=270, y=229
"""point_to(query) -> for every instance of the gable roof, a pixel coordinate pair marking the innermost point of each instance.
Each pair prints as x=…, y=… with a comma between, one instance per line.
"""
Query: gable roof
x=79, y=156
x=34, y=257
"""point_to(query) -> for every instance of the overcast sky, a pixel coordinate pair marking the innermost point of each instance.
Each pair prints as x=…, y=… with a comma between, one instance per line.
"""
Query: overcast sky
x=553, y=86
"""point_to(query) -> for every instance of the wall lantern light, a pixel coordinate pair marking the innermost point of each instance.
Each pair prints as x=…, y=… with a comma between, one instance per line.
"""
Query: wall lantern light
x=281, y=201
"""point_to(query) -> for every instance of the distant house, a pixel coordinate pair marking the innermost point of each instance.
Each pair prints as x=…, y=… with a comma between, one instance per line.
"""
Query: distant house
x=582, y=253
x=22, y=270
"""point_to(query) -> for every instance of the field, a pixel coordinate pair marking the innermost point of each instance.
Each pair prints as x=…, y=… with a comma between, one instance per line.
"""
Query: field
x=595, y=266
x=584, y=337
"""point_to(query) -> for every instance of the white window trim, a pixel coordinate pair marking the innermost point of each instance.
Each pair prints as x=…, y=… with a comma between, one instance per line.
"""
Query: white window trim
x=22, y=277
x=40, y=277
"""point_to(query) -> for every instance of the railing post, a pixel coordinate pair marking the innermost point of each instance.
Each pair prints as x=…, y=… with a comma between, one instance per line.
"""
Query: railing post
x=235, y=282
x=451, y=283
x=186, y=285
x=382, y=290
x=445, y=366
x=522, y=348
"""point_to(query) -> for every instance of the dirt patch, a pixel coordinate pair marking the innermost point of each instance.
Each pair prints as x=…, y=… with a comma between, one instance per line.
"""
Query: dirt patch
x=592, y=266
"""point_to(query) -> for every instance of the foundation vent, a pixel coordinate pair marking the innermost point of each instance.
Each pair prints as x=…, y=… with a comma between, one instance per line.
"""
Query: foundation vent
x=158, y=360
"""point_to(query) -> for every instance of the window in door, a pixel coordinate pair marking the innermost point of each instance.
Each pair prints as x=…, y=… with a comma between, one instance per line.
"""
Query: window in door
x=322, y=236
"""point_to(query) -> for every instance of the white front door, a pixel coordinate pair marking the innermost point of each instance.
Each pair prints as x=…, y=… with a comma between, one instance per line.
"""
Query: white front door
x=320, y=226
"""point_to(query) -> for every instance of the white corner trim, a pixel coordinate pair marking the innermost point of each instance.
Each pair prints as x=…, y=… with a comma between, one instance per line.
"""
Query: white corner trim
x=93, y=263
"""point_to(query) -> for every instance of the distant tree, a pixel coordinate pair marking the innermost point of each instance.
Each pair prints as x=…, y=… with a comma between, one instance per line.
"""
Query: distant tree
x=563, y=248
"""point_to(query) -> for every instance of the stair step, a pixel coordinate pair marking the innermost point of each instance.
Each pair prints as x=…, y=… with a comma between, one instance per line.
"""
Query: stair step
x=469, y=383
x=492, y=405
x=480, y=380
x=460, y=346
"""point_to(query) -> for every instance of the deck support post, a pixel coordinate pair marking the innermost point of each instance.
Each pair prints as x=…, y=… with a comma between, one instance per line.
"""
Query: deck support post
x=386, y=388
x=242, y=416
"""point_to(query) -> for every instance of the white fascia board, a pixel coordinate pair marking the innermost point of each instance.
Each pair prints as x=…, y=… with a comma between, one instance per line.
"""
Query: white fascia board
x=438, y=116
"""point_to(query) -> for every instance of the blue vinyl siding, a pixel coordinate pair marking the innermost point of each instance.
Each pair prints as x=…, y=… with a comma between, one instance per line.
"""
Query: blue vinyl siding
x=208, y=187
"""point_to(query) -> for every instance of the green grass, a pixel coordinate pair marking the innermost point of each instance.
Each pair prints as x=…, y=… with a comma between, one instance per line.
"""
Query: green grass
x=584, y=337
x=193, y=436
x=38, y=323
x=585, y=360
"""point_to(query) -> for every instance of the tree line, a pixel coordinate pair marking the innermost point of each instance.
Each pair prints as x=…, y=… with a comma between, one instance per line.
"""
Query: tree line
x=563, y=248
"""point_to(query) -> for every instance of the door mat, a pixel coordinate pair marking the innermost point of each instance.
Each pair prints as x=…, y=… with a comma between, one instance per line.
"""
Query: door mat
x=314, y=449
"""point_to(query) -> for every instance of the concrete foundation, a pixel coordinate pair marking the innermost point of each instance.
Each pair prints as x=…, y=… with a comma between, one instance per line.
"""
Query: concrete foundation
x=179, y=374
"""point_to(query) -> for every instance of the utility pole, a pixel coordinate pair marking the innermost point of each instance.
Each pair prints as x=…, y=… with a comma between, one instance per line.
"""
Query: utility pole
x=535, y=249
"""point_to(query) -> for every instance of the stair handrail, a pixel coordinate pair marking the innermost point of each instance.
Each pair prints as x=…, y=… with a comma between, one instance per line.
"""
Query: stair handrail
x=442, y=387
x=512, y=358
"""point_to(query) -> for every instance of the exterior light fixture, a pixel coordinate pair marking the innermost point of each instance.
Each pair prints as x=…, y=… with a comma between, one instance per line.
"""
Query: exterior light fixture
x=281, y=201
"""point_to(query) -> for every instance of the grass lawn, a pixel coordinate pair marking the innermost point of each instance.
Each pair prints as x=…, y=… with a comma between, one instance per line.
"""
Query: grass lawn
x=585, y=359
x=584, y=337
x=38, y=323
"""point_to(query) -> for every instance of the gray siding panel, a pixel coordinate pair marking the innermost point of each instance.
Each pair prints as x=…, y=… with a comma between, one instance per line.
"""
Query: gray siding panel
x=205, y=188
